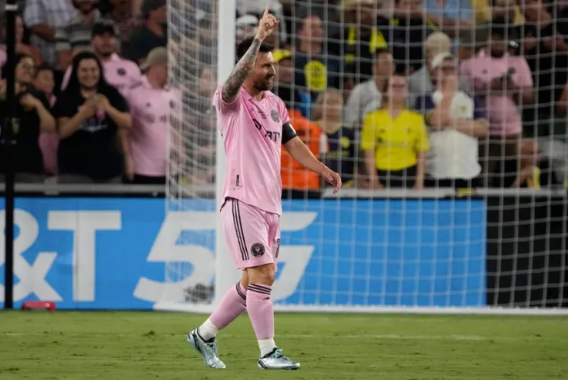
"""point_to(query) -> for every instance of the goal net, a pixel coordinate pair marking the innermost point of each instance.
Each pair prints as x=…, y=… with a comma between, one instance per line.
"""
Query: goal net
x=448, y=127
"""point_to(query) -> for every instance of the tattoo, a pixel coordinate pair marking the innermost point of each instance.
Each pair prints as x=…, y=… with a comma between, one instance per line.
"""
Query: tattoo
x=240, y=72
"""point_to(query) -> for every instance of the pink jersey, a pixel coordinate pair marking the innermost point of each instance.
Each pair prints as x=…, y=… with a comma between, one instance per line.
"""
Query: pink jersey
x=150, y=108
x=119, y=72
x=504, y=115
x=252, y=132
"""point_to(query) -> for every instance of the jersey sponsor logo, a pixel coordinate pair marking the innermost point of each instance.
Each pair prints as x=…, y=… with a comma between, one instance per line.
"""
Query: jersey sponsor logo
x=274, y=115
x=121, y=72
x=260, y=112
x=273, y=136
x=150, y=118
x=257, y=249
x=257, y=124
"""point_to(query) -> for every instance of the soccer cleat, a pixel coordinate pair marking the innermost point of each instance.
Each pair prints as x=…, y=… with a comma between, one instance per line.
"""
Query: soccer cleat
x=207, y=350
x=275, y=360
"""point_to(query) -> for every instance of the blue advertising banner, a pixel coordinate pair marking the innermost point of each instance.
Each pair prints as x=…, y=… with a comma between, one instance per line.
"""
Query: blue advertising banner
x=108, y=253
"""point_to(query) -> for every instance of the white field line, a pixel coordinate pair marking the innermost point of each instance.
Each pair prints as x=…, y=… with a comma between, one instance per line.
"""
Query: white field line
x=314, y=336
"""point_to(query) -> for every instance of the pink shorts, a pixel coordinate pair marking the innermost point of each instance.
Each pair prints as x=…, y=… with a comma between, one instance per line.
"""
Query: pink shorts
x=253, y=235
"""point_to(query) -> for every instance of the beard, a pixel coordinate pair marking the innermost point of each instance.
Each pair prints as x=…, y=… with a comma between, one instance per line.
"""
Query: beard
x=264, y=84
x=497, y=53
x=105, y=53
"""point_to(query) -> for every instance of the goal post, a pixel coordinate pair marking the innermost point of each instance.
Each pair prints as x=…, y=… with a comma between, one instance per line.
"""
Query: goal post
x=397, y=250
x=226, y=275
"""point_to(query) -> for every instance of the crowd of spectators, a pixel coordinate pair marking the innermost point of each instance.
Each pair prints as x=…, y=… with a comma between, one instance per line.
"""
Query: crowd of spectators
x=401, y=93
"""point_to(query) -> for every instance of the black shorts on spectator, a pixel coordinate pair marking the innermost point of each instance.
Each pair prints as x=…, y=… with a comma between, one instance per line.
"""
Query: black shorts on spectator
x=404, y=178
x=494, y=152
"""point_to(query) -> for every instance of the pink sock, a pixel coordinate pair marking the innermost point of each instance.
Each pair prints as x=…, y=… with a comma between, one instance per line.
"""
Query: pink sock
x=232, y=305
x=259, y=308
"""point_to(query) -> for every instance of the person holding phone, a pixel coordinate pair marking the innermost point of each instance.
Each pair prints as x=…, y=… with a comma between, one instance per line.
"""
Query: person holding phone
x=505, y=85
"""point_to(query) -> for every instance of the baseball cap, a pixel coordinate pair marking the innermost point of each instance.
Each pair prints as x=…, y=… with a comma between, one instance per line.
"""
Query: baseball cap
x=150, y=5
x=440, y=58
x=280, y=55
x=101, y=28
x=156, y=56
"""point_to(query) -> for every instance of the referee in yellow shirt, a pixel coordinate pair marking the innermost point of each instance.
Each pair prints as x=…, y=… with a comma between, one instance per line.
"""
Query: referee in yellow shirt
x=394, y=140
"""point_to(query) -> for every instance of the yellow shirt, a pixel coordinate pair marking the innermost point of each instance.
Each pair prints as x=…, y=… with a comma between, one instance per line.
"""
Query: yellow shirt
x=395, y=141
x=483, y=12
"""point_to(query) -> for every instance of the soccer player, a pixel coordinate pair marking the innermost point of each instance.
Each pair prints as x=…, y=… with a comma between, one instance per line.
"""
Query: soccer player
x=254, y=124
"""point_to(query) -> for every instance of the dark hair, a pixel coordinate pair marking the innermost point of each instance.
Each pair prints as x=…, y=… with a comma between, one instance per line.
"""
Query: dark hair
x=379, y=52
x=44, y=67
x=245, y=45
x=387, y=84
x=19, y=57
x=73, y=89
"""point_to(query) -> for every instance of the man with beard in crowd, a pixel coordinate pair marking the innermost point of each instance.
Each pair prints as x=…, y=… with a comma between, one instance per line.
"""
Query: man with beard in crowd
x=75, y=35
x=153, y=34
x=119, y=72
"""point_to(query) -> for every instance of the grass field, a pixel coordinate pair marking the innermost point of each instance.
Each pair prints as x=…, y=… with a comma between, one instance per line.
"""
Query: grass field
x=151, y=345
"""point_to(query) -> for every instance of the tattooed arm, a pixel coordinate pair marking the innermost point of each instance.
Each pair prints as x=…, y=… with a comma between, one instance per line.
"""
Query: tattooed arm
x=241, y=71
x=232, y=86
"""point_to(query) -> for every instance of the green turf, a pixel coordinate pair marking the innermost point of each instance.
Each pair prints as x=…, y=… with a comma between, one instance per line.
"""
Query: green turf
x=149, y=345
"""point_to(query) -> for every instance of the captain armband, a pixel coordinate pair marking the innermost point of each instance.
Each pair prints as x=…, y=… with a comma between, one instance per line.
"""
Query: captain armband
x=288, y=132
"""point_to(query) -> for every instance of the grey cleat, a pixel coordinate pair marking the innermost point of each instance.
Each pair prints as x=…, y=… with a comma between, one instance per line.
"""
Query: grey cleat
x=275, y=360
x=207, y=350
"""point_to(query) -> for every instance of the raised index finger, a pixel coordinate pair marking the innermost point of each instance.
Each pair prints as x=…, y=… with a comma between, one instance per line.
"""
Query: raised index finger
x=265, y=12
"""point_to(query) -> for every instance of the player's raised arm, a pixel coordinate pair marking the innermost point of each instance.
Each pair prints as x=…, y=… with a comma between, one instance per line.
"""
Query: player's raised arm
x=241, y=71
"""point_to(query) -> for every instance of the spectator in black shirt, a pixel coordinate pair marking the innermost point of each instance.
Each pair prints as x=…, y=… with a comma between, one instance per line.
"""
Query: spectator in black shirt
x=544, y=44
x=90, y=113
x=339, y=146
x=315, y=69
x=33, y=113
x=153, y=34
x=363, y=33
x=410, y=30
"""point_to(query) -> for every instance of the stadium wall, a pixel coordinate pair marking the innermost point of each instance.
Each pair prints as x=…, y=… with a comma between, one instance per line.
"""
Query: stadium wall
x=110, y=253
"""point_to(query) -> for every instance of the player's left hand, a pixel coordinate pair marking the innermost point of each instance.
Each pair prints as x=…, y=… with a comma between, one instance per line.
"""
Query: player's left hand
x=266, y=25
x=332, y=178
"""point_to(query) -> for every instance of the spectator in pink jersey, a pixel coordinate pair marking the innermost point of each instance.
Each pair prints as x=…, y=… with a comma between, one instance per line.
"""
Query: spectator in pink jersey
x=505, y=84
x=119, y=72
x=150, y=100
x=44, y=82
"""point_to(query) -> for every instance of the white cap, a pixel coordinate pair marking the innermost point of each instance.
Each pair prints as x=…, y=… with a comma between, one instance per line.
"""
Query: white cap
x=247, y=20
x=440, y=58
